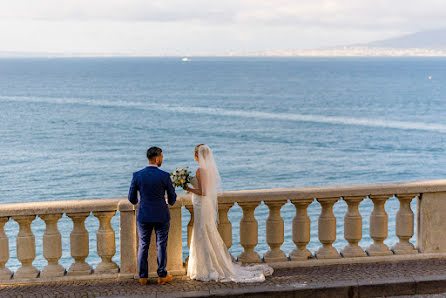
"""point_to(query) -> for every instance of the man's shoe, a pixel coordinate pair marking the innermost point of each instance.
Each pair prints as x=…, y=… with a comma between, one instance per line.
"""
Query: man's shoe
x=163, y=280
x=143, y=281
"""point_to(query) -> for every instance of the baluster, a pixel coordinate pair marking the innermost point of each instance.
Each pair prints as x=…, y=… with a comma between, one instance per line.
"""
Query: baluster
x=52, y=246
x=224, y=225
x=327, y=229
x=404, y=226
x=274, y=233
x=249, y=233
x=190, y=228
x=79, y=244
x=5, y=273
x=26, y=247
x=105, y=242
x=301, y=230
x=378, y=227
x=353, y=228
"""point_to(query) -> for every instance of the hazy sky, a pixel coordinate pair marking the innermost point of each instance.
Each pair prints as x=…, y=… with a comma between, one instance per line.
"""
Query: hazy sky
x=169, y=27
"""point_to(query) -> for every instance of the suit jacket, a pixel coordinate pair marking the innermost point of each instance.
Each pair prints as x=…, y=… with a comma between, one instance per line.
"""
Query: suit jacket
x=152, y=184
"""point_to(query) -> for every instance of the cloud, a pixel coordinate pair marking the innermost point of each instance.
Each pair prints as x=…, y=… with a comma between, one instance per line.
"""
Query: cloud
x=112, y=10
x=365, y=13
x=208, y=26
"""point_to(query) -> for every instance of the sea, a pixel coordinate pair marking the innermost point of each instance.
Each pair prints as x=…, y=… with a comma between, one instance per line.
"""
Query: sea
x=77, y=128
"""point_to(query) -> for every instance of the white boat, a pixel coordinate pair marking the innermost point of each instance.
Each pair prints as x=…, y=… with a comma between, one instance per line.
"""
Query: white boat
x=185, y=59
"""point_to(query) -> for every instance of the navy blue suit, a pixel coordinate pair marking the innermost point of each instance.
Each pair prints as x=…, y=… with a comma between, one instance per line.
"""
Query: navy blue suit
x=153, y=213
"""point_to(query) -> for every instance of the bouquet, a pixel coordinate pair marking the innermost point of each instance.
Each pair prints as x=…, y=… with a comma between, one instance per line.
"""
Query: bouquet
x=181, y=177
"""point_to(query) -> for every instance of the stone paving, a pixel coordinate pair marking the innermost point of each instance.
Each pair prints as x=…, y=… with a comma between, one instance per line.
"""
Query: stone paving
x=403, y=275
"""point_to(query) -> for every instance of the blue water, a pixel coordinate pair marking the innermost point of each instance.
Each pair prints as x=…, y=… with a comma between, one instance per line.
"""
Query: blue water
x=77, y=128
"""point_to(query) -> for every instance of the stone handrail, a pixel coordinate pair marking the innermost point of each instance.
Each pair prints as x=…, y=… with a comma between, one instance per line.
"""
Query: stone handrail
x=430, y=236
x=331, y=191
x=51, y=207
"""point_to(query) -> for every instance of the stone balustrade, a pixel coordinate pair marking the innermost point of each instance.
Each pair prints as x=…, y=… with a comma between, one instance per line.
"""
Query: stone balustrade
x=430, y=234
x=78, y=211
x=431, y=220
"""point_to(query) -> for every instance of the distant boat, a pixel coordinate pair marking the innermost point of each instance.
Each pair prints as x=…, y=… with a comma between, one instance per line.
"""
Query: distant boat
x=185, y=59
x=430, y=77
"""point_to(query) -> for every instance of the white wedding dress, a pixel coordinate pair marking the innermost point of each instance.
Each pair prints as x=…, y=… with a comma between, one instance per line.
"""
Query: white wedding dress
x=209, y=259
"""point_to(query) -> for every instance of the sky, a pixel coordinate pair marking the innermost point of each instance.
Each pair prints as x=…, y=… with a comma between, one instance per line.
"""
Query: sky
x=206, y=27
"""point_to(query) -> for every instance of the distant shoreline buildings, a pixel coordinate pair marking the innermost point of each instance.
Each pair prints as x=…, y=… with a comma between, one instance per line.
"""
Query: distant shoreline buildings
x=352, y=51
x=430, y=43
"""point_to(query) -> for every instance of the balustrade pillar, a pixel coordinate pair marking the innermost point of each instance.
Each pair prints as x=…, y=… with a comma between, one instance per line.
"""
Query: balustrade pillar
x=128, y=239
x=175, y=243
x=353, y=228
x=79, y=244
x=378, y=227
x=224, y=225
x=26, y=248
x=301, y=230
x=5, y=273
x=327, y=229
x=190, y=228
x=52, y=246
x=249, y=233
x=274, y=233
x=105, y=242
x=404, y=226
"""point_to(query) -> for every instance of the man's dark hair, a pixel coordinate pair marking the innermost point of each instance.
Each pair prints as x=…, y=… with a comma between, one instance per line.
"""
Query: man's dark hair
x=153, y=152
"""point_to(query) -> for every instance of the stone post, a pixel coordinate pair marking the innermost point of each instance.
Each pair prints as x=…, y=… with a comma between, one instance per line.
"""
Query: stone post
x=224, y=225
x=26, y=248
x=79, y=244
x=301, y=230
x=404, y=226
x=249, y=233
x=274, y=233
x=190, y=228
x=52, y=246
x=175, y=242
x=327, y=229
x=431, y=219
x=128, y=239
x=105, y=243
x=5, y=273
x=378, y=227
x=353, y=228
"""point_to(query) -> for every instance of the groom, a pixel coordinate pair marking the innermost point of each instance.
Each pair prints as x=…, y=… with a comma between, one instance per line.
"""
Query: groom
x=153, y=212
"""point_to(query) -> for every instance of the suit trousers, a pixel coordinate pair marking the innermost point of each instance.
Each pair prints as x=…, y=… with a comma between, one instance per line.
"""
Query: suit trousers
x=145, y=232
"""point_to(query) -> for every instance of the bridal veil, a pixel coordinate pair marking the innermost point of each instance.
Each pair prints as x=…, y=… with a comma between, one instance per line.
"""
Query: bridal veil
x=210, y=178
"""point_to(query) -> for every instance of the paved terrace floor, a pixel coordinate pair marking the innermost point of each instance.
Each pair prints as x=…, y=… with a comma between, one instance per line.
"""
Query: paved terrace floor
x=416, y=277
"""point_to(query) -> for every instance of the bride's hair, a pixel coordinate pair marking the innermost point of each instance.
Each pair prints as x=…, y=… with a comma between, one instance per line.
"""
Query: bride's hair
x=196, y=149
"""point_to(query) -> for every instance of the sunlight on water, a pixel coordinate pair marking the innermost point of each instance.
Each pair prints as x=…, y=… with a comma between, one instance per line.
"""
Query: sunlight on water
x=195, y=110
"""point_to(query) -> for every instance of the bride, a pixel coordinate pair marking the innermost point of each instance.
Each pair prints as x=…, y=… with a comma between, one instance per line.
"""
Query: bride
x=209, y=259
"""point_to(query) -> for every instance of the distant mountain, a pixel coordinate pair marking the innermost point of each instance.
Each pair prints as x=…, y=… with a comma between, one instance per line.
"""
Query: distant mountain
x=432, y=39
x=426, y=43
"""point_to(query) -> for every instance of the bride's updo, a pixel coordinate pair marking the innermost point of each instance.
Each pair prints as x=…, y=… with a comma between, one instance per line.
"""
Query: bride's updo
x=196, y=150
